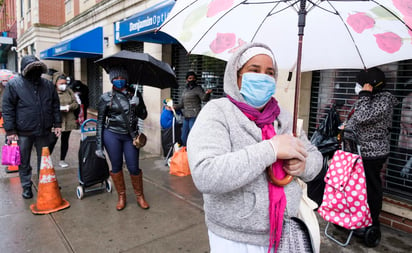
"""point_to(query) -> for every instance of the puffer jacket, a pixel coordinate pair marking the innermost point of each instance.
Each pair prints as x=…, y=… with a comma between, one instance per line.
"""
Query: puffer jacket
x=30, y=107
x=372, y=121
x=191, y=101
x=110, y=116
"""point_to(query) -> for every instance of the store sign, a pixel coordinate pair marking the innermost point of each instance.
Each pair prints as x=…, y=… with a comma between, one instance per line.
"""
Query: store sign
x=143, y=22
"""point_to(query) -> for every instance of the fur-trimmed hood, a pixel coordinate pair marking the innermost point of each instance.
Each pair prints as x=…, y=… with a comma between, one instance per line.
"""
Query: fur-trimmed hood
x=29, y=62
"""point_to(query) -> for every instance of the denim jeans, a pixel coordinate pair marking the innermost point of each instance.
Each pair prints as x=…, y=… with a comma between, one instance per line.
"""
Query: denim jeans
x=26, y=144
x=187, y=125
x=118, y=144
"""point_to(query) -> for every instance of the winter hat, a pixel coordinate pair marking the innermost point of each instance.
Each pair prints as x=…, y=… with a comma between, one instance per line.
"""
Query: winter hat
x=191, y=73
x=251, y=52
x=118, y=71
x=373, y=76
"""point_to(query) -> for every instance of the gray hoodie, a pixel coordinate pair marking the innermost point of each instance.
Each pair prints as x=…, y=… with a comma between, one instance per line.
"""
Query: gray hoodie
x=228, y=159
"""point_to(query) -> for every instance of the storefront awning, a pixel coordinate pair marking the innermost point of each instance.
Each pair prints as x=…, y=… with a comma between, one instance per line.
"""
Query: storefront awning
x=142, y=26
x=48, y=55
x=86, y=45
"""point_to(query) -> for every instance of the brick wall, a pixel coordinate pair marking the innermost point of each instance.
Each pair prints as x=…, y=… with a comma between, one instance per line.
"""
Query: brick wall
x=395, y=214
x=51, y=12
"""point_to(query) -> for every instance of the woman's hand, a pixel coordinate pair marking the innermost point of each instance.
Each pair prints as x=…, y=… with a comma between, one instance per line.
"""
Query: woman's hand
x=294, y=167
x=288, y=147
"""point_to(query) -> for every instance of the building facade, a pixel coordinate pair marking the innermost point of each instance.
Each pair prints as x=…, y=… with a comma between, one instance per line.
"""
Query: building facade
x=70, y=35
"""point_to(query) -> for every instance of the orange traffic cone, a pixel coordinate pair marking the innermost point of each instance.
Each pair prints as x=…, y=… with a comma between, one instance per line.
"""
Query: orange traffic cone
x=49, y=198
x=1, y=122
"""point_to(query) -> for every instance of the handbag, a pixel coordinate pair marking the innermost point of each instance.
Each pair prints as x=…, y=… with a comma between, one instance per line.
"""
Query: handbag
x=179, y=165
x=307, y=215
x=345, y=198
x=140, y=140
x=10, y=154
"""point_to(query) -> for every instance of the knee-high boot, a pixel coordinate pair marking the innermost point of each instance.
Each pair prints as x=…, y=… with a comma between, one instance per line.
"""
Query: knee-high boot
x=118, y=181
x=137, y=182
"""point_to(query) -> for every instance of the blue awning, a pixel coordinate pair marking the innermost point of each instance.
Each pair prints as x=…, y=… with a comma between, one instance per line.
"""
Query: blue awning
x=48, y=55
x=142, y=26
x=86, y=45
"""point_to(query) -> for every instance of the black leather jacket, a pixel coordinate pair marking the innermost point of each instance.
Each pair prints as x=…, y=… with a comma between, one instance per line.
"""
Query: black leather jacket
x=110, y=114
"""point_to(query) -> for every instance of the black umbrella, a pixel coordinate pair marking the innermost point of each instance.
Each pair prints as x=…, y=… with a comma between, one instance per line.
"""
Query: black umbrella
x=142, y=69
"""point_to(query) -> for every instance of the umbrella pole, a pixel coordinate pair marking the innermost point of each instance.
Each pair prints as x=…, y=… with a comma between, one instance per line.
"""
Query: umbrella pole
x=301, y=26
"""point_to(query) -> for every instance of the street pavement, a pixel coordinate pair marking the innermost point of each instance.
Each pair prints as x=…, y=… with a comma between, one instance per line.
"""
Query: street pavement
x=174, y=222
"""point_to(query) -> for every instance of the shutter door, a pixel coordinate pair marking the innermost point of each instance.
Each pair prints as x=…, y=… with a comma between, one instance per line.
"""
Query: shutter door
x=94, y=82
x=209, y=72
x=337, y=87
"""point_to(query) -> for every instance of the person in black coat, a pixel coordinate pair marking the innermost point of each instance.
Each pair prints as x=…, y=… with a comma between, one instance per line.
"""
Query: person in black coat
x=83, y=92
x=31, y=109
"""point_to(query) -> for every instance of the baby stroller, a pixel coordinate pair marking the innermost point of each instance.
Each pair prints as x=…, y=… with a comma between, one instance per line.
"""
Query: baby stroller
x=92, y=169
x=345, y=199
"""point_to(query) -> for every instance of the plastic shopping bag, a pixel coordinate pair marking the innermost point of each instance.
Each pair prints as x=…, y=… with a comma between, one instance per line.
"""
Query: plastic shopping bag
x=179, y=165
x=10, y=154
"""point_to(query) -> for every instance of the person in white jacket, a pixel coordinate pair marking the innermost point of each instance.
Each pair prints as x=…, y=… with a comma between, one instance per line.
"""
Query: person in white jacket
x=232, y=143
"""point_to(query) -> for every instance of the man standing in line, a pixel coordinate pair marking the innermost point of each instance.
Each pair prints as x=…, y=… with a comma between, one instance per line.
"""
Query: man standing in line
x=31, y=108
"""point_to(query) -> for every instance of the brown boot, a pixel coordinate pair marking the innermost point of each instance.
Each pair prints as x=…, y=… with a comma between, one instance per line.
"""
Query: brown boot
x=118, y=181
x=137, y=182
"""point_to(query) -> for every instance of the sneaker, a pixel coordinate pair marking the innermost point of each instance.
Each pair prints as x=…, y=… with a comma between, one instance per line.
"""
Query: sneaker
x=63, y=164
x=27, y=193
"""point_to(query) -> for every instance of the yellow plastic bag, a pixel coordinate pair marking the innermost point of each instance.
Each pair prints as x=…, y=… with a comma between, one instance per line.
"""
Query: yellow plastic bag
x=179, y=165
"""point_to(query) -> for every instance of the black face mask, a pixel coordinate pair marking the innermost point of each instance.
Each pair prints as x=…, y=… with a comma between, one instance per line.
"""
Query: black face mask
x=34, y=74
x=191, y=84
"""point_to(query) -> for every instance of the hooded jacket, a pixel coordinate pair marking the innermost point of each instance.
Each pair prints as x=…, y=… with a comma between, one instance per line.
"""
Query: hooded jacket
x=31, y=105
x=228, y=159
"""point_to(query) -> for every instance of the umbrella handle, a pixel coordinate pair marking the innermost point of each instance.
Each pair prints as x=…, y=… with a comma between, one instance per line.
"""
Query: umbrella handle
x=279, y=182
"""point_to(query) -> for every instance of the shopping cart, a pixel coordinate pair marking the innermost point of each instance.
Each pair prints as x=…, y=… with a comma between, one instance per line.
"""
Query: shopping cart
x=93, y=171
x=345, y=198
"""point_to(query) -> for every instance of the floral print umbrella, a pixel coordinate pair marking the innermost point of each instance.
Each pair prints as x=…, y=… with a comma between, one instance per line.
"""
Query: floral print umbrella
x=304, y=35
x=336, y=35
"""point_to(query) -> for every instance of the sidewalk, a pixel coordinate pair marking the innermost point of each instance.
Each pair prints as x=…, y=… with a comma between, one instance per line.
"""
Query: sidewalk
x=174, y=222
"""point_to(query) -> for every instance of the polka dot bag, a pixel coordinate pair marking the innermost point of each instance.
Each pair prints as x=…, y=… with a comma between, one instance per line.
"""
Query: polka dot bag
x=345, y=199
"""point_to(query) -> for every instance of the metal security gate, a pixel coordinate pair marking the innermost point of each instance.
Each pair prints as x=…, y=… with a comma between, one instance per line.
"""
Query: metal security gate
x=94, y=82
x=209, y=72
x=337, y=87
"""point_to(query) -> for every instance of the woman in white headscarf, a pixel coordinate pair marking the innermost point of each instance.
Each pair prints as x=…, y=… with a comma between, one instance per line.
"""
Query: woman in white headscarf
x=234, y=140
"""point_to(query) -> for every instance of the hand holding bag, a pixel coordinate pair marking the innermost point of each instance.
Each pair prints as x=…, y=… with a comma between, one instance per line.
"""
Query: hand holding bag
x=10, y=154
x=140, y=140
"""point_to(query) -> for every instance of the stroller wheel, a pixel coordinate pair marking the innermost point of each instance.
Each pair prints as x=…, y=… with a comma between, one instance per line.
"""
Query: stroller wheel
x=79, y=192
x=372, y=237
x=108, y=185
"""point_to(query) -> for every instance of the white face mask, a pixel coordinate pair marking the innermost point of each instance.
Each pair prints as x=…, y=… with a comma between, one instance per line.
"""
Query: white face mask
x=62, y=87
x=358, y=88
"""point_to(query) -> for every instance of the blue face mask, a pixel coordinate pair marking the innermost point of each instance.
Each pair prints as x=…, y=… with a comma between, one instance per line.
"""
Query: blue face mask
x=257, y=89
x=119, y=83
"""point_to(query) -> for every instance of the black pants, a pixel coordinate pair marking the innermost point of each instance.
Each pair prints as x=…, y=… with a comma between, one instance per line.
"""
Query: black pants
x=64, y=144
x=26, y=144
x=374, y=187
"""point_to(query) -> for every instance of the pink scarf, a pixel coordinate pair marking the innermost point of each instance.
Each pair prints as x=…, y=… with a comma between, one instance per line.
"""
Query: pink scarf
x=277, y=198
